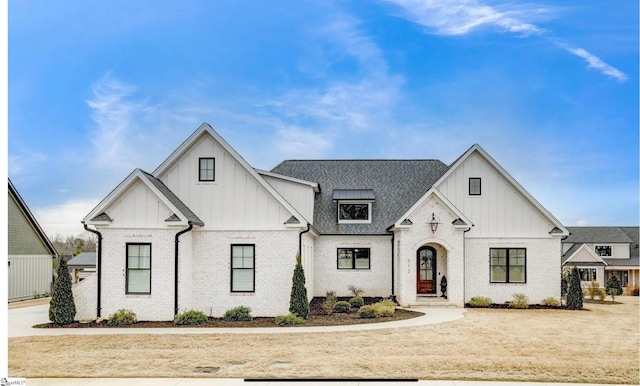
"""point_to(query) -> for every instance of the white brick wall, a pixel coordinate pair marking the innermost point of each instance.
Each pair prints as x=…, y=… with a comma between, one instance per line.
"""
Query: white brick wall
x=275, y=259
x=543, y=269
x=204, y=273
x=84, y=297
x=375, y=281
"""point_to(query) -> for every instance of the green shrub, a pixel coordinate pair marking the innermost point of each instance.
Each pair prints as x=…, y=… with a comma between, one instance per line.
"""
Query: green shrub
x=385, y=308
x=329, y=301
x=298, y=301
x=574, y=292
x=551, y=302
x=288, y=320
x=240, y=313
x=190, y=318
x=480, y=301
x=356, y=302
x=122, y=317
x=342, y=307
x=62, y=309
x=367, y=312
x=519, y=301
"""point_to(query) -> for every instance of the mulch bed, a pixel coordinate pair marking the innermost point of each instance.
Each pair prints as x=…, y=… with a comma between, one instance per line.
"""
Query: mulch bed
x=317, y=317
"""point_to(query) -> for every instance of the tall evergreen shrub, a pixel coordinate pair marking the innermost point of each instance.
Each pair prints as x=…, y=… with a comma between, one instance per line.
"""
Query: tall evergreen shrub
x=574, y=292
x=613, y=287
x=298, y=302
x=62, y=309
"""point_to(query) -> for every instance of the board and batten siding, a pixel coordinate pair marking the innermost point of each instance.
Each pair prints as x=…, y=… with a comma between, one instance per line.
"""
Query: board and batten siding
x=500, y=210
x=300, y=196
x=138, y=206
x=29, y=275
x=234, y=201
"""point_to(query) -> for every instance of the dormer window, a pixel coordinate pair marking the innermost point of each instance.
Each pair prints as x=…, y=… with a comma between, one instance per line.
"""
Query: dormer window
x=207, y=170
x=353, y=212
x=603, y=250
x=354, y=205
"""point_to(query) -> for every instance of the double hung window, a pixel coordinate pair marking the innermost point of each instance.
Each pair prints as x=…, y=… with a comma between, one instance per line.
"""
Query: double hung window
x=138, y=268
x=243, y=268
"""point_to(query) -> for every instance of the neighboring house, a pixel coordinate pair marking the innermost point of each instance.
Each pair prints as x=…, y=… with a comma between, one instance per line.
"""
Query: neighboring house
x=206, y=231
x=31, y=253
x=601, y=252
x=81, y=266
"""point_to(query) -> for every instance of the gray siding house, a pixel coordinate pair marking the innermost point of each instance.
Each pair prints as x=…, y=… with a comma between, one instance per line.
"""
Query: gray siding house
x=30, y=251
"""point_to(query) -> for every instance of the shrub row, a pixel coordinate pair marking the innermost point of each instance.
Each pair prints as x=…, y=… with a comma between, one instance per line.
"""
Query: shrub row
x=519, y=301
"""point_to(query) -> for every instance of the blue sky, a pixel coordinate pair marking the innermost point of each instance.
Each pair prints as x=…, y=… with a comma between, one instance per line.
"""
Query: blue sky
x=549, y=89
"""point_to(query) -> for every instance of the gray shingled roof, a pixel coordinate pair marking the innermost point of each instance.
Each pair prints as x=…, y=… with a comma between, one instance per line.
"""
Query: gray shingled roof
x=83, y=259
x=174, y=199
x=397, y=185
x=583, y=235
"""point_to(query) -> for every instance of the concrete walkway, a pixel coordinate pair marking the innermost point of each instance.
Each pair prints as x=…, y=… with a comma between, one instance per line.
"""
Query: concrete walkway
x=22, y=319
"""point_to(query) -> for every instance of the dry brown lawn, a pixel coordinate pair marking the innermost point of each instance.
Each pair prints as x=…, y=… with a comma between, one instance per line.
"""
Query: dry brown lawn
x=597, y=345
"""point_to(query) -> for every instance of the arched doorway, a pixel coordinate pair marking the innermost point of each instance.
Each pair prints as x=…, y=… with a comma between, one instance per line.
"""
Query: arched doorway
x=426, y=271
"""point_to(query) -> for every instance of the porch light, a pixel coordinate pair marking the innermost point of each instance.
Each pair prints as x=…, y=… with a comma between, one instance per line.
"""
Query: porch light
x=433, y=223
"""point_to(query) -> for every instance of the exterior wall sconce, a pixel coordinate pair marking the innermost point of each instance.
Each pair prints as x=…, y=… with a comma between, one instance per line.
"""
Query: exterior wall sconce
x=433, y=223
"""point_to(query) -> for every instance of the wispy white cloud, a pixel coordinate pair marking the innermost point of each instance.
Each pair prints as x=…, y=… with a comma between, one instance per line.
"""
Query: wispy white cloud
x=115, y=115
x=447, y=17
x=461, y=17
x=339, y=107
x=22, y=162
x=298, y=143
x=597, y=64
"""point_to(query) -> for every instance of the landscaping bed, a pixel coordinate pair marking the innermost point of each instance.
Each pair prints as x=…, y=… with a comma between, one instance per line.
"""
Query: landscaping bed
x=317, y=317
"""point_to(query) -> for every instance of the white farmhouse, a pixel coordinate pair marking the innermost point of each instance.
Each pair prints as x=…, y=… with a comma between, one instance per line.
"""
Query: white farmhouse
x=206, y=231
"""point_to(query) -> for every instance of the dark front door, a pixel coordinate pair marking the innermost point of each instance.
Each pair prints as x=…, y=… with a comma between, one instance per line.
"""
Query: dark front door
x=426, y=272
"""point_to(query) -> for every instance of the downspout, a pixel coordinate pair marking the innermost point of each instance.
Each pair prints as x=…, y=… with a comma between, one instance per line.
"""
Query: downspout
x=175, y=282
x=393, y=274
x=98, y=265
x=300, y=240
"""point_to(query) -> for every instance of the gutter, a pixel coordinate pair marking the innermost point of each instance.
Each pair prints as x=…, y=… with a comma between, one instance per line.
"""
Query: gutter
x=98, y=267
x=175, y=281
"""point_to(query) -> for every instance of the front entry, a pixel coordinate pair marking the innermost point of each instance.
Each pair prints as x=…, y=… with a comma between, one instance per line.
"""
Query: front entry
x=426, y=271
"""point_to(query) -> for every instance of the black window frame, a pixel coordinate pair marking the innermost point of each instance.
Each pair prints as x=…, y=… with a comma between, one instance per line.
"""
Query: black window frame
x=200, y=169
x=353, y=252
x=599, y=248
x=127, y=269
x=507, y=266
x=367, y=205
x=473, y=193
x=233, y=269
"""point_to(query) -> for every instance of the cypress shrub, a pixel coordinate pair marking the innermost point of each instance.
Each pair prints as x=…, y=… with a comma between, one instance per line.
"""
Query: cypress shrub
x=574, y=292
x=62, y=308
x=299, y=302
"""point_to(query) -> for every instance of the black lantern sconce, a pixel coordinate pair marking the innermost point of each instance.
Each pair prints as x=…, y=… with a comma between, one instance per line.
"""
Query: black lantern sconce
x=433, y=223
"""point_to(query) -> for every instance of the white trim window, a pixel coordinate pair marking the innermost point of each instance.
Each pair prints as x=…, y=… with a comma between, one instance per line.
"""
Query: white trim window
x=588, y=274
x=354, y=212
